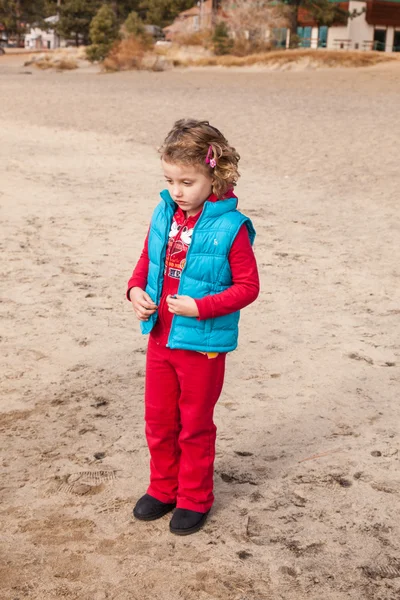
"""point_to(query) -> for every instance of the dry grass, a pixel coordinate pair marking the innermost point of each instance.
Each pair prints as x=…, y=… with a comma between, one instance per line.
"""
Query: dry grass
x=282, y=58
x=62, y=59
x=199, y=38
x=42, y=63
x=51, y=61
x=66, y=64
x=132, y=54
x=243, y=47
x=125, y=55
x=178, y=54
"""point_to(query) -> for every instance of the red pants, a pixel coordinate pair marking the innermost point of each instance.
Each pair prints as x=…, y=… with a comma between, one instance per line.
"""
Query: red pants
x=182, y=388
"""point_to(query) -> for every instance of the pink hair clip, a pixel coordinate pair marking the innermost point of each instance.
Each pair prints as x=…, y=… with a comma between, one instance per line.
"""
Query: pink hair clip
x=210, y=161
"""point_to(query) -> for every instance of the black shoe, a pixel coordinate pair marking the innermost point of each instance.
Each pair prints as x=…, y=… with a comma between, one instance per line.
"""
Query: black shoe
x=148, y=508
x=185, y=522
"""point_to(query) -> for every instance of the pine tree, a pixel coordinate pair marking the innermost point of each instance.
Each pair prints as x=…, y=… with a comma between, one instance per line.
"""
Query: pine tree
x=134, y=25
x=222, y=42
x=163, y=12
x=325, y=12
x=75, y=19
x=123, y=8
x=17, y=16
x=104, y=31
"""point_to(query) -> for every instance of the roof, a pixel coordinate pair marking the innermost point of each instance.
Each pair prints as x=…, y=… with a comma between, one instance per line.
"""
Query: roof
x=53, y=19
x=195, y=10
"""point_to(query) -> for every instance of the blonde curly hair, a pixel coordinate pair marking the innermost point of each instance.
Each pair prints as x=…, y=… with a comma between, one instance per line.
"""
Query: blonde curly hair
x=189, y=142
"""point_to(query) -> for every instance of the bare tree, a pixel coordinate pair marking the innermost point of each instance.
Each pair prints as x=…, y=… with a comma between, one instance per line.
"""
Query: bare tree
x=252, y=19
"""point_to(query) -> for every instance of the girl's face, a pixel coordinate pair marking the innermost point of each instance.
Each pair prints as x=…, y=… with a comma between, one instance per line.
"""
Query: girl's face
x=188, y=185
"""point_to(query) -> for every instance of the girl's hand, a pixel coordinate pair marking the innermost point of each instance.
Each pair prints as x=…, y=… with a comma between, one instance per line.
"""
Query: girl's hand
x=184, y=306
x=142, y=304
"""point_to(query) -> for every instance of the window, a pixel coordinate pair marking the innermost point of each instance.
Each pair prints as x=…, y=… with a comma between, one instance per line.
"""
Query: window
x=279, y=37
x=380, y=40
x=322, y=37
x=396, y=41
x=304, y=34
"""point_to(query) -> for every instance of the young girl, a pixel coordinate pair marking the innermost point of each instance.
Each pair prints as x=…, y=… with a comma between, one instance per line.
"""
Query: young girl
x=196, y=271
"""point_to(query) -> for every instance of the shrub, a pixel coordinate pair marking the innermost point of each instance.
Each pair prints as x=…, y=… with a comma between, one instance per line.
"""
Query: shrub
x=222, y=42
x=198, y=38
x=134, y=25
x=65, y=64
x=43, y=64
x=53, y=61
x=243, y=47
x=294, y=40
x=104, y=31
x=126, y=55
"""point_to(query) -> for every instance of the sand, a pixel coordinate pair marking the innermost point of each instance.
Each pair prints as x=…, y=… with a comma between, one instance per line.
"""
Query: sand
x=307, y=477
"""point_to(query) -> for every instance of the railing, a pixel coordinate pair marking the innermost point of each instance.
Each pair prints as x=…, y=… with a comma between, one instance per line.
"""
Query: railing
x=381, y=46
x=342, y=44
x=368, y=45
x=345, y=44
x=339, y=44
x=305, y=42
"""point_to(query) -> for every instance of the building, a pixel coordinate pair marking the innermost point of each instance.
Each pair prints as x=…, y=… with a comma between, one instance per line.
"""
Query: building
x=193, y=20
x=41, y=39
x=376, y=28
x=3, y=36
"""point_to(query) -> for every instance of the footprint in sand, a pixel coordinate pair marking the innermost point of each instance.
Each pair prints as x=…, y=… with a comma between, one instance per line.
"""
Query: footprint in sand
x=357, y=356
x=84, y=483
x=390, y=570
x=243, y=453
x=237, y=477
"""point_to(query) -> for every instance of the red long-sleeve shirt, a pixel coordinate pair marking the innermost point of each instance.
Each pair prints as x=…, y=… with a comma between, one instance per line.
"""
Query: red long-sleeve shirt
x=243, y=291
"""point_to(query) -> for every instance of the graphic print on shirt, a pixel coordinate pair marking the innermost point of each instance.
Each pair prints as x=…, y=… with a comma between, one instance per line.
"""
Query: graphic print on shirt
x=179, y=241
x=174, y=230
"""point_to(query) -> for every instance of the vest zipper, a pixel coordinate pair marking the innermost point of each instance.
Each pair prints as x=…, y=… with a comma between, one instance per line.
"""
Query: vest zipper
x=170, y=254
x=161, y=277
x=183, y=270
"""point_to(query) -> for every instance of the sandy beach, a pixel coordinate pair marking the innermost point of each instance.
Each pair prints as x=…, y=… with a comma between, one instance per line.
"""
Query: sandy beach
x=307, y=478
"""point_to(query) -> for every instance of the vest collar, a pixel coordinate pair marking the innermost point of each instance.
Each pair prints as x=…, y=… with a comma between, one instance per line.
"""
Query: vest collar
x=212, y=206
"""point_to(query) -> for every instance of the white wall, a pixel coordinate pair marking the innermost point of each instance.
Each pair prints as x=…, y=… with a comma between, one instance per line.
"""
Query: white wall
x=335, y=33
x=389, y=39
x=314, y=37
x=359, y=30
x=49, y=38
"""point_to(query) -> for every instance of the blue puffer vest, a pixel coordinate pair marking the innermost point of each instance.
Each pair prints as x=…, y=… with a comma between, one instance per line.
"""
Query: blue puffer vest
x=206, y=272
